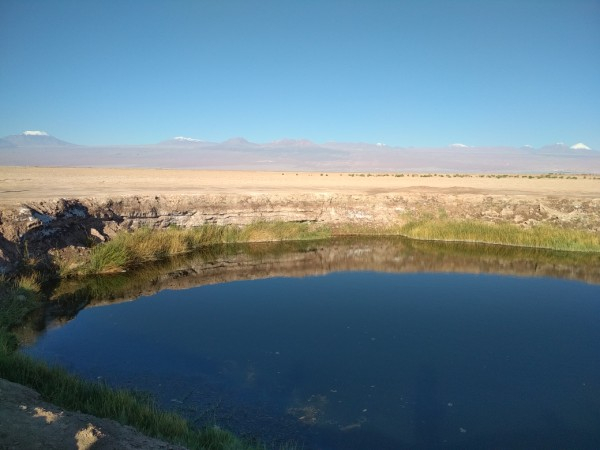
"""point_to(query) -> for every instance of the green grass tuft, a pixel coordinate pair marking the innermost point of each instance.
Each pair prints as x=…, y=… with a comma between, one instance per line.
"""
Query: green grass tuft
x=541, y=236
x=129, y=249
x=108, y=258
x=18, y=298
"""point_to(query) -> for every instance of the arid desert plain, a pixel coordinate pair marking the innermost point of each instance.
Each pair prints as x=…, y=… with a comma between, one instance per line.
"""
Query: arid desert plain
x=34, y=184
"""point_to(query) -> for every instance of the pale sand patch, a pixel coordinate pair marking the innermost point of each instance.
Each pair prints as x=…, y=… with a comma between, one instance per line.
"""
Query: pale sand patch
x=87, y=437
x=28, y=184
x=49, y=416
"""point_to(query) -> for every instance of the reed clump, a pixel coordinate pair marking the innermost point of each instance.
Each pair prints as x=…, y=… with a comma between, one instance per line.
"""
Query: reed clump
x=130, y=249
x=539, y=236
x=18, y=297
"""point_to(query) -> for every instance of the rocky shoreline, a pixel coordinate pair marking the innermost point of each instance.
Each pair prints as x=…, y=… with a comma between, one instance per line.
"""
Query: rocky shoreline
x=40, y=229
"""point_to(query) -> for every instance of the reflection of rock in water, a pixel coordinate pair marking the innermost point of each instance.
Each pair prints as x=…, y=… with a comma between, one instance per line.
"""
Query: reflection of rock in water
x=221, y=264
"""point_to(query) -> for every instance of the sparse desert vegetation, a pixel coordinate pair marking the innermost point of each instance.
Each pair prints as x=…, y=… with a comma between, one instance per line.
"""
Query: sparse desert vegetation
x=541, y=176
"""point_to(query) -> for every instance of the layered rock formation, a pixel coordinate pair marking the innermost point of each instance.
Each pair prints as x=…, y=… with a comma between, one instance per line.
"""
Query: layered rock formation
x=37, y=228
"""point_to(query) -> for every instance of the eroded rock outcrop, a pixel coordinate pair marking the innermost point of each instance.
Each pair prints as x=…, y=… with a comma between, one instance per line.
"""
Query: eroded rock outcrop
x=35, y=229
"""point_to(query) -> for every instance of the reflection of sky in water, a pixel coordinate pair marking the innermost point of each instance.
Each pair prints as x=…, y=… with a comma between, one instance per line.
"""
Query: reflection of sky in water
x=361, y=360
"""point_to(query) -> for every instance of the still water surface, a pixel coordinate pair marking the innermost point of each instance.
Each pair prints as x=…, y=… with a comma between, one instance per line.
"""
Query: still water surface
x=359, y=360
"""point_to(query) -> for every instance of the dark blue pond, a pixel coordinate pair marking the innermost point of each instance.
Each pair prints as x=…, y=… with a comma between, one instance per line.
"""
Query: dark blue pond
x=359, y=360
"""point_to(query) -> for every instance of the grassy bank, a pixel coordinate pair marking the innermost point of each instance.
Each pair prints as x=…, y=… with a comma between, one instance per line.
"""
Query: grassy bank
x=57, y=386
x=540, y=236
x=18, y=298
x=544, y=236
x=130, y=249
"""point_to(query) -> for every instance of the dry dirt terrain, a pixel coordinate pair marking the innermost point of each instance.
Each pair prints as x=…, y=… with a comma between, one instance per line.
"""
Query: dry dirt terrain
x=34, y=184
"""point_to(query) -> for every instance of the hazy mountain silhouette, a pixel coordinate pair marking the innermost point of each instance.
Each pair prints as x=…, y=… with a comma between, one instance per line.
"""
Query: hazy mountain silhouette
x=238, y=153
x=6, y=143
x=182, y=141
x=36, y=139
x=239, y=142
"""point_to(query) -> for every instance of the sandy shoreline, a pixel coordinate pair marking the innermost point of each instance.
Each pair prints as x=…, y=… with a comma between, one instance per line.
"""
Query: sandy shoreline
x=19, y=185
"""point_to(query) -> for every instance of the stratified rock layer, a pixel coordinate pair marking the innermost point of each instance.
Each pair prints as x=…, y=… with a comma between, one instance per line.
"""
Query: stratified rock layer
x=36, y=228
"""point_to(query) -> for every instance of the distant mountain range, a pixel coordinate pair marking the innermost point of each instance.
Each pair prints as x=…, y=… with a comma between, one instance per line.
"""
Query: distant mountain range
x=40, y=148
x=33, y=139
x=43, y=139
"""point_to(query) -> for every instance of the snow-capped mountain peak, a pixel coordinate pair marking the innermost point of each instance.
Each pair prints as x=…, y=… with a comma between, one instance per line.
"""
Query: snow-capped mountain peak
x=35, y=138
x=580, y=146
x=186, y=139
x=458, y=145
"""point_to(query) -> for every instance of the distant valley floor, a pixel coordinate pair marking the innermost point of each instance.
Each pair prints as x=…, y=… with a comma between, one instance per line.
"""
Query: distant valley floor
x=20, y=185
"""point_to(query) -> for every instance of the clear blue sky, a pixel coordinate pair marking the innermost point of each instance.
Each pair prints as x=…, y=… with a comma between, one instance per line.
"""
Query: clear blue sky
x=407, y=73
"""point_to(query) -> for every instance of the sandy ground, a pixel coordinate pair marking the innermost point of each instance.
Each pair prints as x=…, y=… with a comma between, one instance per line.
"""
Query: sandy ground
x=20, y=185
